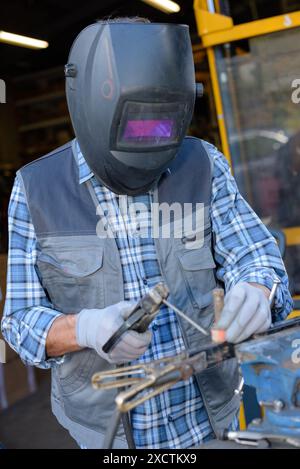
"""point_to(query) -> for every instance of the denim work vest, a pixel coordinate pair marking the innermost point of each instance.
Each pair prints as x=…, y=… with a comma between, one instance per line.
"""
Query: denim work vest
x=80, y=270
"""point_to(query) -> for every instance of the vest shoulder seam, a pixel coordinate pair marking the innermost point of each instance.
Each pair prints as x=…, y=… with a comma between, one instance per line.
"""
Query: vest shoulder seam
x=206, y=146
x=48, y=155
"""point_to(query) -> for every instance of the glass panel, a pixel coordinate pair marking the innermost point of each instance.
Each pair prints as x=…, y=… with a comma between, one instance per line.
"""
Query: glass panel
x=262, y=118
x=249, y=10
x=292, y=260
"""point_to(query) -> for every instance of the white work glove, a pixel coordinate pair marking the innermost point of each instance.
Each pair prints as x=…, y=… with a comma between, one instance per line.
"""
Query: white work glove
x=246, y=311
x=95, y=326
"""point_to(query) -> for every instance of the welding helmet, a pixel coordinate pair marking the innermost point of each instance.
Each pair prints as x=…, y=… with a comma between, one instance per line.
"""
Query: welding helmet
x=130, y=89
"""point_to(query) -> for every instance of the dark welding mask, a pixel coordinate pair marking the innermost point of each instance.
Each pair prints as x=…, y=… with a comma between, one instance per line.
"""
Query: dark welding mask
x=130, y=91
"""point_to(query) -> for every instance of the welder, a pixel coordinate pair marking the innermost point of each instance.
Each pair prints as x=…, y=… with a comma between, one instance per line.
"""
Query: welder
x=80, y=256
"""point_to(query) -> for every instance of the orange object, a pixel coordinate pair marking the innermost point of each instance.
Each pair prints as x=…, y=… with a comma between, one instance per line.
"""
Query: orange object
x=218, y=335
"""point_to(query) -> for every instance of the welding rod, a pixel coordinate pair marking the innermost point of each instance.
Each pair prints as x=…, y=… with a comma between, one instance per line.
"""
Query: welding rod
x=184, y=316
x=218, y=296
x=218, y=335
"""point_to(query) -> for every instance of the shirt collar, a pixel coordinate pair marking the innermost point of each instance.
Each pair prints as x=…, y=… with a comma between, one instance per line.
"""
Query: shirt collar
x=85, y=173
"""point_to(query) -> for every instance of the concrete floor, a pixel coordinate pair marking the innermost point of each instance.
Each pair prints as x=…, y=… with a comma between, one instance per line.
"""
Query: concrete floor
x=29, y=424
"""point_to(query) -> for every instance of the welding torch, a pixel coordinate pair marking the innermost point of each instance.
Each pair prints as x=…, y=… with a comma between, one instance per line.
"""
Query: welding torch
x=162, y=374
x=149, y=305
x=145, y=311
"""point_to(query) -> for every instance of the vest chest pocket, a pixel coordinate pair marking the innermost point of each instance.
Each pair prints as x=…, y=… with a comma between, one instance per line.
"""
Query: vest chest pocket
x=197, y=267
x=73, y=278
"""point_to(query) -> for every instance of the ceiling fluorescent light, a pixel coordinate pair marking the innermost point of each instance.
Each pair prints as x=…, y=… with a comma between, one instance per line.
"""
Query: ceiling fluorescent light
x=167, y=6
x=22, y=41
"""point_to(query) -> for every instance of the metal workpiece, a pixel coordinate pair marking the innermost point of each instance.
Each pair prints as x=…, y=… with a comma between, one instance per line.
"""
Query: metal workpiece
x=270, y=362
x=147, y=380
x=128, y=375
x=255, y=439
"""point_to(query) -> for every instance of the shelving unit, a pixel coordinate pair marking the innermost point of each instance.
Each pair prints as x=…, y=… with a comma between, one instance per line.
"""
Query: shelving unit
x=43, y=121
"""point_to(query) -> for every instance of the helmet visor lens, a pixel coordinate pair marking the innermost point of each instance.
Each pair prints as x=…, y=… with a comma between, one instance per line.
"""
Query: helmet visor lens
x=148, y=129
x=147, y=125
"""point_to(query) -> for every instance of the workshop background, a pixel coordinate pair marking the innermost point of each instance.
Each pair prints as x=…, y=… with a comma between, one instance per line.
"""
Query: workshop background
x=250, y=110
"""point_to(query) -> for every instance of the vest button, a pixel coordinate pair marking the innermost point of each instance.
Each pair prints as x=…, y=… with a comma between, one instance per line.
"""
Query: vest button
x=145, y=281
x=170, y=418
x=154, y=327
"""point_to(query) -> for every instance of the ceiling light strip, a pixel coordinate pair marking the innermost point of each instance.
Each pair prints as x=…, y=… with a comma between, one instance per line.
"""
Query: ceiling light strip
x=167, y=6
x=22, y=41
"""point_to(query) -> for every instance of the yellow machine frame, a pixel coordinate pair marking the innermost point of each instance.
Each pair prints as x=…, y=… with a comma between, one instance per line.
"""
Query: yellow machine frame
x=215, y=29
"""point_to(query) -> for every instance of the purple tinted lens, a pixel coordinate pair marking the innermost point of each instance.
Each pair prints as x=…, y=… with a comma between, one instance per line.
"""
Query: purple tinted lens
x=148, y=128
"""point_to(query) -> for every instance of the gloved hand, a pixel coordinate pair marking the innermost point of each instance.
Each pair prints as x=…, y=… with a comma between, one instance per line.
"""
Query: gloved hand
x=246, y=311
x=95, y=326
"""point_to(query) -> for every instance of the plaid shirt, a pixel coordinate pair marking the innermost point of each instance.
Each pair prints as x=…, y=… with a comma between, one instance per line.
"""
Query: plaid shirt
x=244, y=251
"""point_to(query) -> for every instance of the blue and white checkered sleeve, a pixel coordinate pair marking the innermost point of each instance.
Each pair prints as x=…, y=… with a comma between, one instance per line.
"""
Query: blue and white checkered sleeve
x=245, y=251
x=28, y=314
